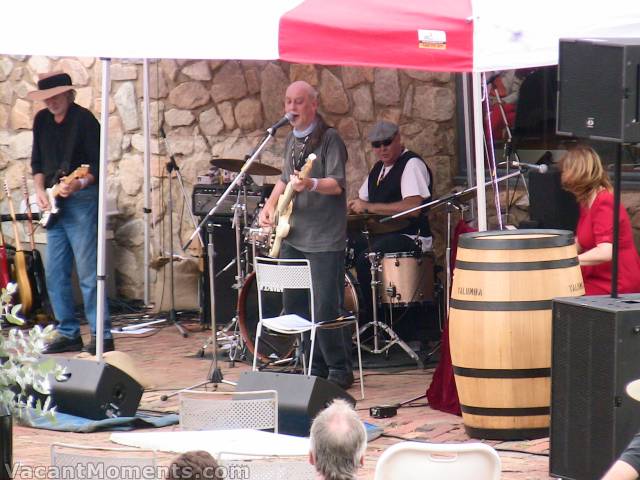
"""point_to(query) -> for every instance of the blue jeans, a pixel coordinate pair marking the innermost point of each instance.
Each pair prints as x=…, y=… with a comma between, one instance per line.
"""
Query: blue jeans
x=74, y=235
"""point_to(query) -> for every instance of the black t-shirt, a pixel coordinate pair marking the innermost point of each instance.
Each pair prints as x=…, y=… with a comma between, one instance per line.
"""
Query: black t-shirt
x=60, y=148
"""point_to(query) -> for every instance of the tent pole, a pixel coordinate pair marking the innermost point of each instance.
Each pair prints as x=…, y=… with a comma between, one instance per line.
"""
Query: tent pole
x=102, y=214
x=147, y=151
x=466, y=95
x=479, y=154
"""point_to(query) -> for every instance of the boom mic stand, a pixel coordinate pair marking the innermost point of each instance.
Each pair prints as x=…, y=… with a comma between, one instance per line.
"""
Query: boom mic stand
x=215, y=374
x=172, y=166
x=451, y=203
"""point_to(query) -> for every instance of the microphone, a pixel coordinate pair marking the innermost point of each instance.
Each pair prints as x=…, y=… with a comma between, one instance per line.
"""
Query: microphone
x=283, y=121
x=544, y=168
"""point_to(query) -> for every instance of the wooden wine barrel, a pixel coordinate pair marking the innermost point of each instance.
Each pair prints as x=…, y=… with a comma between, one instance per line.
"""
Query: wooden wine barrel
x=500, y=327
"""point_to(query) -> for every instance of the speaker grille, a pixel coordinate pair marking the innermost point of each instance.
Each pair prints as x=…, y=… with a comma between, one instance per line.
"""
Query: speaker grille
x=592, y=420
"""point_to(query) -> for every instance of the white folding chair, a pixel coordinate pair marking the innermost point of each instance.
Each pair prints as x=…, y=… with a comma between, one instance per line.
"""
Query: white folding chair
x=417, y=460
x=272, y=467
x=277, y=275
x=229, y=410
x=86, y=462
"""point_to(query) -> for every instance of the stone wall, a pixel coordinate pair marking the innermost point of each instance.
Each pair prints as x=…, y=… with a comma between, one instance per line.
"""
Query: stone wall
x=219, y=109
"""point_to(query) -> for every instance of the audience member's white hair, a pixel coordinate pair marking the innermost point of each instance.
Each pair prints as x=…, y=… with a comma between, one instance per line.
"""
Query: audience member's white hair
x=338, y=441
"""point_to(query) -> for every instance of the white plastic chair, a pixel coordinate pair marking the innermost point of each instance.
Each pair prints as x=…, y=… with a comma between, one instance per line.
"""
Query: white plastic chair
x=86, y=462
x=273, y=467
x=276, y=275
x=417, y=460
x=229, y=410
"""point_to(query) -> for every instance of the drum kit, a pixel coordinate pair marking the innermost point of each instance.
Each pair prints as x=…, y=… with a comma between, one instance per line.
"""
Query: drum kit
x=399, y=280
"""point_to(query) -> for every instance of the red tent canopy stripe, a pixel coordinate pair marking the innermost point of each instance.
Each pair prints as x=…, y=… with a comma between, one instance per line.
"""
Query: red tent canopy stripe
x=379, y=33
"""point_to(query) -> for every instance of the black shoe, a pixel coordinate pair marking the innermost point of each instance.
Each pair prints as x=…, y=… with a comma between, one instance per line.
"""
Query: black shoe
x=62, y=344
x=342, y=379
x=108, y=346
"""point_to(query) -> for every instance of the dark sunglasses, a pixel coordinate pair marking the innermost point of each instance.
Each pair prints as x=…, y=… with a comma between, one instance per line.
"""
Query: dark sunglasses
x=379, y=143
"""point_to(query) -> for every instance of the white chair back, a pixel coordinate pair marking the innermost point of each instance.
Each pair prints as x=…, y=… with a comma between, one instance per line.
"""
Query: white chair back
x=86, y=462
x=417, y=460
x=229, y=410
x=266, y=468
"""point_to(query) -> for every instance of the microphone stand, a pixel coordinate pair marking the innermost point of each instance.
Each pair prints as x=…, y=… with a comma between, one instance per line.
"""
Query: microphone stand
x=451, y=203
x=215, y=374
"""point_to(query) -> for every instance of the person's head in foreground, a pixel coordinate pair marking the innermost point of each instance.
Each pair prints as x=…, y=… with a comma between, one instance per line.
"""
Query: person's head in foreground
x=338, y=442
x=193, y=465
x=627, y=467
x=583, y=173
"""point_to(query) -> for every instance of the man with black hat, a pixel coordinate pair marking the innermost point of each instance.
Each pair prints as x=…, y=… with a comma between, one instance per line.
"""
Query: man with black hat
x=399, y=180
x=627, y=467
x=66, y=136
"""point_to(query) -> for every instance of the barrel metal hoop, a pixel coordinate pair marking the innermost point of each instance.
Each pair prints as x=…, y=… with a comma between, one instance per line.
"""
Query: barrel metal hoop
x=505, y=412
x=507, y=433
x=477, y=240
x=524, y=305
x=502, y=372
x=517, y=266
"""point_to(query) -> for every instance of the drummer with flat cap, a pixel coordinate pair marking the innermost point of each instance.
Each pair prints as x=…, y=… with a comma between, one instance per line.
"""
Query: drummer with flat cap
x=399, y=180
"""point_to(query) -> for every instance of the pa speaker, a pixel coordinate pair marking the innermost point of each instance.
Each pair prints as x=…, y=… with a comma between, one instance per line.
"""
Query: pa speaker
x=95, y=390
x=598, y=83
x=300, y=397
x=550, y=206
x=596, y=346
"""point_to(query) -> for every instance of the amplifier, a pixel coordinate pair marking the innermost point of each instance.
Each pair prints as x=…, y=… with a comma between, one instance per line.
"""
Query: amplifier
x=205, y=197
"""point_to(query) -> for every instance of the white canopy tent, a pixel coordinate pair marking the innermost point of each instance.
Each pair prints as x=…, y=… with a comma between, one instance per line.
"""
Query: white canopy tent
x=459, y=36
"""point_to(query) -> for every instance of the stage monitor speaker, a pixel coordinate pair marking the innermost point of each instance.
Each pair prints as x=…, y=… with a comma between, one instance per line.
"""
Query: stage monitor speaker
x=549, y=205
x=596, y=346
x=598, y=83
x=95, y=390
x=300, y=397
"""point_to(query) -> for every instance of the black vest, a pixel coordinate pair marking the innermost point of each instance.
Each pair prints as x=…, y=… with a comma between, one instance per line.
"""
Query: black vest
x=390, y=190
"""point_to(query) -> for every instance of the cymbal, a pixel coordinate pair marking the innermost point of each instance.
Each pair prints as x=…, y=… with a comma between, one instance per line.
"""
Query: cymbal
x=235, y=165
x=371, y=222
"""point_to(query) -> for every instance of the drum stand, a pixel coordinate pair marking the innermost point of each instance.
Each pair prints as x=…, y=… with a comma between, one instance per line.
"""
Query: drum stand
x=378, y=326
x=234, y=340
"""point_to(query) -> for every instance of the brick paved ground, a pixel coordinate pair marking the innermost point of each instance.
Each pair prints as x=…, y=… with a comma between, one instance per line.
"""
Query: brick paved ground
x=170, y=361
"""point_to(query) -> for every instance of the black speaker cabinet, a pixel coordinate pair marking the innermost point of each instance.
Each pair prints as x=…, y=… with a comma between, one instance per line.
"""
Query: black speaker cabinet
x=598, y=83
x=549, y=205
x=224, y=244
x=95, y=390
x=300, y=397
x=596, y=353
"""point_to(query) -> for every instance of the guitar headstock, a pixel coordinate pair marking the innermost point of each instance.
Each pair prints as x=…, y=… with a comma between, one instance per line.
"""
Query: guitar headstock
x=306, y=168
x=6, y=188
x=25, y=190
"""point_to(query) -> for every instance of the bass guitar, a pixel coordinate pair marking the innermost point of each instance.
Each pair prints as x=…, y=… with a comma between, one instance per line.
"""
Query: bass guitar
x=37, y=274
x=20, y=262
x=48, y=216
x=284, y=210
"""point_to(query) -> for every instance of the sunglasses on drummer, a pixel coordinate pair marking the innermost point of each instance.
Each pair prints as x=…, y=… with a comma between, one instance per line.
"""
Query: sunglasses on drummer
x=380, y=143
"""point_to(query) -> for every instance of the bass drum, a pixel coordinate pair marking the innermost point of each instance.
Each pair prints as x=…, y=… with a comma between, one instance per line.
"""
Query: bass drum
x=274, y=346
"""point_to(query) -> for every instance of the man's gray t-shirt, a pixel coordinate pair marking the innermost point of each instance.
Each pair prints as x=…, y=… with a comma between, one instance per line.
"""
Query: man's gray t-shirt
x=319, y=222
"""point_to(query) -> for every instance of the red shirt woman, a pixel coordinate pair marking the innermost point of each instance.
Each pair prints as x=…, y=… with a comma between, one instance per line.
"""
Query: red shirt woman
x=585, y=177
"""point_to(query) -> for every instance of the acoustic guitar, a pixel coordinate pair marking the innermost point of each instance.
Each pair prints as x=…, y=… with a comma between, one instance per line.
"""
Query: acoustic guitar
x=20, y=262
x=37, y=274
x=284, y=210
x=47, y=217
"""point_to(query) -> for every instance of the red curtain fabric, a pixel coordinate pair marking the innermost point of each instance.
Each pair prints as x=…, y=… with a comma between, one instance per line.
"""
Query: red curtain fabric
x=442, y=393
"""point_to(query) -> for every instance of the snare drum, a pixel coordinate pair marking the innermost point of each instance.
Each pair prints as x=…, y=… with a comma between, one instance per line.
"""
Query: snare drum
x=258, y=236
x=407, y=278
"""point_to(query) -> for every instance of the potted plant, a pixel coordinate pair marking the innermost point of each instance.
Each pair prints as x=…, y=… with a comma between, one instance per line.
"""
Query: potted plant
x=22, y=371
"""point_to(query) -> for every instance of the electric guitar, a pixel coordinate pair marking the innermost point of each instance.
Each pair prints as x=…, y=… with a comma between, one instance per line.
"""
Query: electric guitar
x=20, y=262
x=284, y=210
x=48, y=216
x=37, y=273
